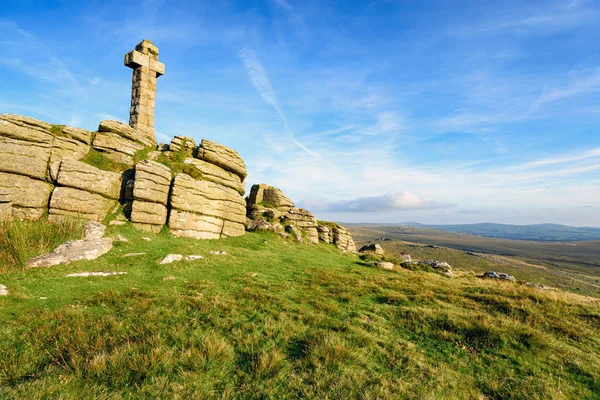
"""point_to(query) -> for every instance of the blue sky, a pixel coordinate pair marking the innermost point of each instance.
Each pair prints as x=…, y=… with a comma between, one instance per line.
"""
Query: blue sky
x=383, y=111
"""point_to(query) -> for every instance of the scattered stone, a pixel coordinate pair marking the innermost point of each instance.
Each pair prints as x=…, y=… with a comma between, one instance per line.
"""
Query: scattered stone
x=73, y=250
x=121, y=239
x=134, y=254
x=385, y=265
x=3, y=290
x=442, y=266
x=193, y=258
x=218, y=253
x=372, y=248
x=94, y=230
x=169, y=278
x=499, y=275
x=43, y=298
x=146, y=239
x=98, y=273
x=116, y=222
x=254, y=274
x=169, y=258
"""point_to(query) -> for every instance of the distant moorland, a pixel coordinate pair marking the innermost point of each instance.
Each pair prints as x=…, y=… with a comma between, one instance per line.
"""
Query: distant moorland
x=538, y=233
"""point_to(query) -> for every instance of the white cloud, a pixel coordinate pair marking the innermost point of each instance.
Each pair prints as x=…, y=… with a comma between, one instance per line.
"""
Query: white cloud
x=387, y=202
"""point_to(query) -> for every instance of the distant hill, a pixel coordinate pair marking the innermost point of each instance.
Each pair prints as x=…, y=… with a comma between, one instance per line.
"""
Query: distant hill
x=539, y=232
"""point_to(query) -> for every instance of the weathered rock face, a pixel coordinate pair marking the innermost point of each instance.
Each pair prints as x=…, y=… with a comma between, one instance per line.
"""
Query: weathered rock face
x=372, y=248
x=180, y=143
x=78, y=175
x=150, y=195
x=222, y=156
x=25, y=148
x=305, y=221
x=120, y=142
x=267, y=202
x=28, y=197
x=76, y=203
x=206, y=171
x=73, y=143
x=84, y=191
x=324, y=233
x=343, y=240
x=205, y=210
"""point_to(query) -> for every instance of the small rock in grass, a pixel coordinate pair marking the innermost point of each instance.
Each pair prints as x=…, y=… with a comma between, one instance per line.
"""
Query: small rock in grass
x=146, y=239
x=442, y=266
x=73, y=250
x=133, y=254
x=254, y=274
x=121, y=239
x=218, y=253
x=169, y=278
x=193, y=258
x=385, y=265
x=116, y=222
x=499, y=275
x=96, y=273
x=169, y=258
x=43, y=298
x=3, y=290
x=94, y=230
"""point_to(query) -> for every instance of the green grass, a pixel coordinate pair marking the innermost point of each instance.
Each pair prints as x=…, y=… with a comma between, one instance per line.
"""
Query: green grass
x=275, y=319
x=97, y=159
x=21, y=240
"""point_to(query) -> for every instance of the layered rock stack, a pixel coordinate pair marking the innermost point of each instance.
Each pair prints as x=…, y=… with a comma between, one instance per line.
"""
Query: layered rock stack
x=267, y=208
x=207, y=201
x=150, y=195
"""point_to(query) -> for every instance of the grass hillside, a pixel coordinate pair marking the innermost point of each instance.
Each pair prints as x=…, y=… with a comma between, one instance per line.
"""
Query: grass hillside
x=538, y=232
x=274, y=319
x=569, y=266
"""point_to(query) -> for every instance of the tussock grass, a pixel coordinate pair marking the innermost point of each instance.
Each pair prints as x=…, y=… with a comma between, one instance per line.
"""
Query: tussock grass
x=279, y=320
x=21, y=240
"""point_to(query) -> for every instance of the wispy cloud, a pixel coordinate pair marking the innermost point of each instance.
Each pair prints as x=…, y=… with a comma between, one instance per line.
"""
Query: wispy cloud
x=263, y=86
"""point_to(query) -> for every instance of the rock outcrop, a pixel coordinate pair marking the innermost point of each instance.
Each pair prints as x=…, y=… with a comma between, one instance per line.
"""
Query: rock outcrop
x=267, y=208
x=182, y=143
x=84, y=191
x=222, y=156
x=205, y=210
x=343, y=239
x=150, y=195
x=120, y=142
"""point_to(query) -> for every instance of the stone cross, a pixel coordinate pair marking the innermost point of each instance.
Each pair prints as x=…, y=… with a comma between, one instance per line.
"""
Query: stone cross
x=146, y=68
